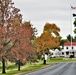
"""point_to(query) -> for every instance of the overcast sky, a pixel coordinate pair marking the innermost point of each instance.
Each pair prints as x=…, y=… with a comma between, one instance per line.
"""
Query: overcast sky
x=53, y=11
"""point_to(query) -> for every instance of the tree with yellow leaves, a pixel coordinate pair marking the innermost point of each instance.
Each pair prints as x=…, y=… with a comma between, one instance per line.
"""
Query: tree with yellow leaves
x=49, y=39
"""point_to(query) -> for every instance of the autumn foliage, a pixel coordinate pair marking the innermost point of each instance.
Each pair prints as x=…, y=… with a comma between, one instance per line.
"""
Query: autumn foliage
x=15, y=35
x=47, y=40
x=17, y=38
x=21, y=37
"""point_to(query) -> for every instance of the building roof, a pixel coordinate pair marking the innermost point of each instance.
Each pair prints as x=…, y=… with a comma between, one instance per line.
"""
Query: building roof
x=70, y=43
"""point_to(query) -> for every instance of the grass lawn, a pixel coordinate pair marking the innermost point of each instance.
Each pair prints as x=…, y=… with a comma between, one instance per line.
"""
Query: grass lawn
x=62, y=60
x=27, y=68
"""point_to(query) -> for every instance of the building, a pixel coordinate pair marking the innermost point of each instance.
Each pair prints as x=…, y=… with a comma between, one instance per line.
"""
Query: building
x=54, y=53
x=69, y=50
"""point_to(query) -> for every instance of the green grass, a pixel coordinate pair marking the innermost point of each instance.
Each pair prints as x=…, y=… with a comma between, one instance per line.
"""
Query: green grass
x=28, y=69
x=62, y=60
x=34, y=66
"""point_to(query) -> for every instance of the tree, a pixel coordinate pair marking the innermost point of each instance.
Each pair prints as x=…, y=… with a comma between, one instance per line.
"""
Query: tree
x=20, y=43
x=15, y=36
x=21, y=37
x=75, y=22
x=2, y=42
x=52, y=29
x=70, y=38
x=8, y=16
x=62, y=41
x=74, y=30
x=47, y=40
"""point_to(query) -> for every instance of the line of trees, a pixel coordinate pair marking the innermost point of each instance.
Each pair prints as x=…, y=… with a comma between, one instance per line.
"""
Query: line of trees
x=18, y=41
x=15, y=35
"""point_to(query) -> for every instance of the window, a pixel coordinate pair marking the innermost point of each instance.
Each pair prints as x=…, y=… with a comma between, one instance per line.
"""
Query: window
x=72, y=47
x=67, y=53
x=66, y=47
x=62, y=53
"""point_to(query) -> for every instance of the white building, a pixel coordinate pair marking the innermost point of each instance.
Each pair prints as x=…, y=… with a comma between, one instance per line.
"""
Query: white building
x=69, y=49
x=55, y=53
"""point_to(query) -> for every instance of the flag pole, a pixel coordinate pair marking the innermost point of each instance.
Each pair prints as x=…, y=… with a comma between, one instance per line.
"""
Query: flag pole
x=71, y=24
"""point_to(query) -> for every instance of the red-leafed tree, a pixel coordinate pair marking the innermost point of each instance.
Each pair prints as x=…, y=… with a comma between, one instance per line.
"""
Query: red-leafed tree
x=20, y=38
x=15, y=36
x=9, y=16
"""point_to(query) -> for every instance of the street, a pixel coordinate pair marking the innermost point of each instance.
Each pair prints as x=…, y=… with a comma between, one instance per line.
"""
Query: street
x=57, y=69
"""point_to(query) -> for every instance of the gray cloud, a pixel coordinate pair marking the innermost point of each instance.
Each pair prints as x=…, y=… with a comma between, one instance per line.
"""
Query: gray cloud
x=42, y=11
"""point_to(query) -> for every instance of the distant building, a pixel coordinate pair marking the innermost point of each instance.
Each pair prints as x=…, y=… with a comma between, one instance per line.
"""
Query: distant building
x=69, y=49
x=54, y=53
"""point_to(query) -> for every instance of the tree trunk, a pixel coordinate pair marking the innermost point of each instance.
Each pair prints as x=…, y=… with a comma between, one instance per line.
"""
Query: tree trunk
x=44, y=62
x=45, y=58
x=3, y=65
x=18, y=65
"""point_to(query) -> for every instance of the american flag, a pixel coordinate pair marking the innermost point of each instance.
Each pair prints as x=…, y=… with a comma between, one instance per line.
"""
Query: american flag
x=74, y=15
x=73, y=7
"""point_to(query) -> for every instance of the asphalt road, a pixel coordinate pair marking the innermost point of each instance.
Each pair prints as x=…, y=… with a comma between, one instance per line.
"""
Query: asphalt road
x=57, y=69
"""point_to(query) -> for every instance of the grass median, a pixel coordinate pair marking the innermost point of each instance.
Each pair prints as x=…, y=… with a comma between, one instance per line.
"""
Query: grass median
x=35, y=66
x=26, y=69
